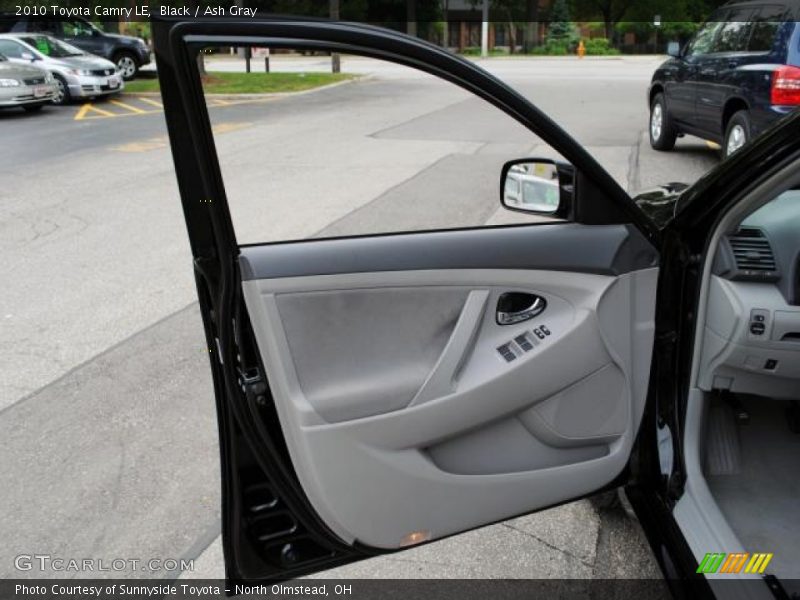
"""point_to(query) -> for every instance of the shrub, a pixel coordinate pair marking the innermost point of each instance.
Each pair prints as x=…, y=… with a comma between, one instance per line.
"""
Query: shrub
x=551, y=49
x=476, y=51
x=599, y=47
x=561, y=31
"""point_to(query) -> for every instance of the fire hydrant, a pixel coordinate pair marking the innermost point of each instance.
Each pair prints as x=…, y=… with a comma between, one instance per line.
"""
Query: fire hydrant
x=581, y=49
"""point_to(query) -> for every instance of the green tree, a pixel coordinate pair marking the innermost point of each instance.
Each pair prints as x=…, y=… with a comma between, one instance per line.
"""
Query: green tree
x=561, y=30
x=610, y=11
x=679, y=19
x=511, y=10
x=531, y=36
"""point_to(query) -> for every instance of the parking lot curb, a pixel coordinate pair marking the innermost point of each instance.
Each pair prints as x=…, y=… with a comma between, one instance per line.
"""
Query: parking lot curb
x=259, y=96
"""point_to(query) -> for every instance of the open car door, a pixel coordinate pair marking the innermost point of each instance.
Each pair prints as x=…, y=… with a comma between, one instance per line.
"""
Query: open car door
x=377, y=392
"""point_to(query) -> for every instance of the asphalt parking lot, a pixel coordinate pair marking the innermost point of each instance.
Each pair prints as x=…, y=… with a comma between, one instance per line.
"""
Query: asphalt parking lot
x=106, y=407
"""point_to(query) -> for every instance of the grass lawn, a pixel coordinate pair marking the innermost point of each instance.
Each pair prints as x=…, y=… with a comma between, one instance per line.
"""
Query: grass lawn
x=250, y=83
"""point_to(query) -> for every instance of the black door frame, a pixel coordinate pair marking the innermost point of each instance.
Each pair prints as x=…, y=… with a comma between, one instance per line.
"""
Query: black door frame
x=240, y=388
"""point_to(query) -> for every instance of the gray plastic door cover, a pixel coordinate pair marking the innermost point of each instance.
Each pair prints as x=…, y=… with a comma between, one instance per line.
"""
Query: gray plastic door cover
x=410, y=414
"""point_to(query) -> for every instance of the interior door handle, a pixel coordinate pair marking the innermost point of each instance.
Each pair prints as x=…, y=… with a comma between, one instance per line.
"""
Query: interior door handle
x=515, y=307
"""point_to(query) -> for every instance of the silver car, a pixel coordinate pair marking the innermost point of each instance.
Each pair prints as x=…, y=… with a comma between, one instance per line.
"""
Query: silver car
x=25, y=86
x=76, y=73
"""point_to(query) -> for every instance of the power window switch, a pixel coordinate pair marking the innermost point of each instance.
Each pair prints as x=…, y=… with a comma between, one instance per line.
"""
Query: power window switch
x=506, y=352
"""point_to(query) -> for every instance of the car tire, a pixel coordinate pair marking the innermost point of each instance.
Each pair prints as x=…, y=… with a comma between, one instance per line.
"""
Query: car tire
x=126, y=64
x=32, y=108
x=662, y=131
x=737, y=133
x=62, y=96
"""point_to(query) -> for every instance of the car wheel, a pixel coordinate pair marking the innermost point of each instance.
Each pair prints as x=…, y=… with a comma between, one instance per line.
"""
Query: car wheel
x=662, y=132
x=62, y=91
x=32, y=108
x=126, y=64
x=737, y=134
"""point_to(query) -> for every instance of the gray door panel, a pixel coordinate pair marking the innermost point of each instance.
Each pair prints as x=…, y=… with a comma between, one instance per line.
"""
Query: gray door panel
x=402, y=417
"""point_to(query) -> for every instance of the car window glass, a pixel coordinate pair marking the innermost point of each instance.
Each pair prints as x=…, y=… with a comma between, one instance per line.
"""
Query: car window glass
x=43, y=26
x=765, y=25
x=734, y=34
x=52, y=47
x=11, y=49
x=77, y=29
x=704, y=40
x=392, y=150
x=40, y=43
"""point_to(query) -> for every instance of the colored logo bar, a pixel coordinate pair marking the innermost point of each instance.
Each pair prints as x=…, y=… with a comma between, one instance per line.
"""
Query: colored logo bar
x=734, y=562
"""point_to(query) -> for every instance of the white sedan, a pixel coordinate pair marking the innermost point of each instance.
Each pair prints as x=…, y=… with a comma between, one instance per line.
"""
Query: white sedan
x=76, y=73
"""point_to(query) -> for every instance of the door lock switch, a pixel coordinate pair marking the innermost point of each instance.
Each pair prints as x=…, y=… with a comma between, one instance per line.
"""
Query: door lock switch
x=524, y=342
x=758, y=322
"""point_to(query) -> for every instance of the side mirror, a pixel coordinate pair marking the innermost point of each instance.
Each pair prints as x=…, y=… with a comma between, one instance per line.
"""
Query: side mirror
x=674, y=49
x=537, y=185
x=27, y=56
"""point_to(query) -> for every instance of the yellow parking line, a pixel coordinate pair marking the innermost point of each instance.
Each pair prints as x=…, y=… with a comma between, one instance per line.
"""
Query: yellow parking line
x=156, y=143
x=82, y=112
x=90, y=111
x=712, y=145
x=119, y=115
x=228, y=127
x=89, y=106
x=127, y=107
x=153, y=102
x=144, y=145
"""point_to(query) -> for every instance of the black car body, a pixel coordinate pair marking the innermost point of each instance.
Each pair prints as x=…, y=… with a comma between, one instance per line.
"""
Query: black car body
x=364, y=497
x=742, y=68
x=127, y=52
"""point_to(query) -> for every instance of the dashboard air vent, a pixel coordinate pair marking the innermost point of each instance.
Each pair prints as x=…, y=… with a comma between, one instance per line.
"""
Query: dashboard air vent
x=752, y=252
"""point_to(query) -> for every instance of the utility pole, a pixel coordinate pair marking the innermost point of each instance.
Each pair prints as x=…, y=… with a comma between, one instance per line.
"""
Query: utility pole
x=485, y=30
x=446, y=28
x=336, y=61
x=531, y=25
x=656, y=24
x=411, y=17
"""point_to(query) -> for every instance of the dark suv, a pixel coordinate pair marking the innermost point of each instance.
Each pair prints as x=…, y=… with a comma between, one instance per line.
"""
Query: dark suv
x=739, y=73
x=128, y=53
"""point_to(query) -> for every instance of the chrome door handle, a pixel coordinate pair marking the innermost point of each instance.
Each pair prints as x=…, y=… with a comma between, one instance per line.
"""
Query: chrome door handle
x=515, y=307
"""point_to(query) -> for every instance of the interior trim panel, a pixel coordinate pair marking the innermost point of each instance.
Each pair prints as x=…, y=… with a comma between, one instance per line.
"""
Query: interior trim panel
x=427, y=397
x=751, y=342
x=571, y=247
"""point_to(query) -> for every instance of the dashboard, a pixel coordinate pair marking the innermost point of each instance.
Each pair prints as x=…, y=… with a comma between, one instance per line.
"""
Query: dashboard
x=751, y=340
